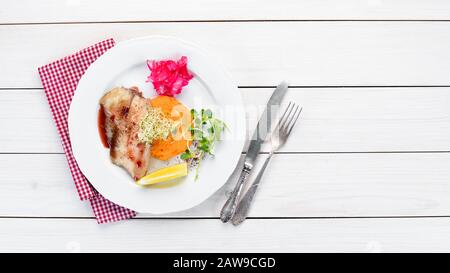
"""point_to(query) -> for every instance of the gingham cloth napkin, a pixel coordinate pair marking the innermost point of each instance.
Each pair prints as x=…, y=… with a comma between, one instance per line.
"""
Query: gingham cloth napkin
x=60, y=79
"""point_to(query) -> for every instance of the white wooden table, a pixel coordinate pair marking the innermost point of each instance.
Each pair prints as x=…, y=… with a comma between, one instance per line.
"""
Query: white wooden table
x=368, y=168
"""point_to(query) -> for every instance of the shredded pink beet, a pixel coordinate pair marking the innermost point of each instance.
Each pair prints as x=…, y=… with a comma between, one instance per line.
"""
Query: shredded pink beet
x=169, y=77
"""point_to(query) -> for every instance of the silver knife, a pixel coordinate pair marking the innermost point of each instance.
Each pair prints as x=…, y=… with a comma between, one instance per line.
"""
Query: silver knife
x=253, y=149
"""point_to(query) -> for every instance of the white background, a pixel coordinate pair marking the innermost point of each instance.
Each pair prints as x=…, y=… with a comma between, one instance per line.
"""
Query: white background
x=366, y=170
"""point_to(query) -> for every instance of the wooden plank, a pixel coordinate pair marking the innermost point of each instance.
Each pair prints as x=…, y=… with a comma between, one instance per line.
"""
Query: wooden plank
x=334, y=120
x=311, y=235
x=259, y=54
x=28, y=11
x=295, y=185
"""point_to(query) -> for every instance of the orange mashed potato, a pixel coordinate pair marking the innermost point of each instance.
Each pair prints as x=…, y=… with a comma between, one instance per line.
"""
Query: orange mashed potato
x=174, y=144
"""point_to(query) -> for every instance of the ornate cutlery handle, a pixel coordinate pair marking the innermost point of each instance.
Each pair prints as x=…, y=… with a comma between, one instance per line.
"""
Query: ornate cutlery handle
x=230, y=206
x=244, y=206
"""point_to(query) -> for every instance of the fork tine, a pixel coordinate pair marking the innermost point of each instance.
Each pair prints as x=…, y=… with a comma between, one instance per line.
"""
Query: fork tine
x=285, y=111
x=282, y=117
x=285, y=118
x=291, y=118
x=295, y=120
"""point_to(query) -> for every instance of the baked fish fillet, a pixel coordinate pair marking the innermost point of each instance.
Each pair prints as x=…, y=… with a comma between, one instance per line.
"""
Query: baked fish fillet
x=123, y=109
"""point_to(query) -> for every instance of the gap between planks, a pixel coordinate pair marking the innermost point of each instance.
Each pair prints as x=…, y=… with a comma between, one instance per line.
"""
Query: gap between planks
x=274, y=86
x=223, y=21
x=218, y=218
x=277, y=152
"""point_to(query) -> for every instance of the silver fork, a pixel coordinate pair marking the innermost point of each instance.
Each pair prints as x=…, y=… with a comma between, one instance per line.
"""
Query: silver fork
x=277, y=139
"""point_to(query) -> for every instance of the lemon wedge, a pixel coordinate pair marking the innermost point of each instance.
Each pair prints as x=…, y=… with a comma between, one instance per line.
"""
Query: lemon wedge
x=164, y=174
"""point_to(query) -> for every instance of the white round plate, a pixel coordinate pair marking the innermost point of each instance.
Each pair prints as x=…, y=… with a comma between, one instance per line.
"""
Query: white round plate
x=125, y=65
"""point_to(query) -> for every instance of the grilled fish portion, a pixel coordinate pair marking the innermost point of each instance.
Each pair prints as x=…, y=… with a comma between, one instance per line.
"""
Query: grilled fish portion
x=123, y=109
x=115, y=105
x=138, y=152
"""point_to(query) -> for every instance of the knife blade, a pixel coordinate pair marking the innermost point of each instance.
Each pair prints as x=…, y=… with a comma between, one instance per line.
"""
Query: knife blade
x=261, y=131
x=265, y=123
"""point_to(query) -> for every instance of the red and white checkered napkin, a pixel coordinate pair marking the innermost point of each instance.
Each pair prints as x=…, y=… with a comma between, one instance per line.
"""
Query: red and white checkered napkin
x=60, y=79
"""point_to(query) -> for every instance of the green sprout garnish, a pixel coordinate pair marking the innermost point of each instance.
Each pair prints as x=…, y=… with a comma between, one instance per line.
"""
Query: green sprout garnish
x=205, y=130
